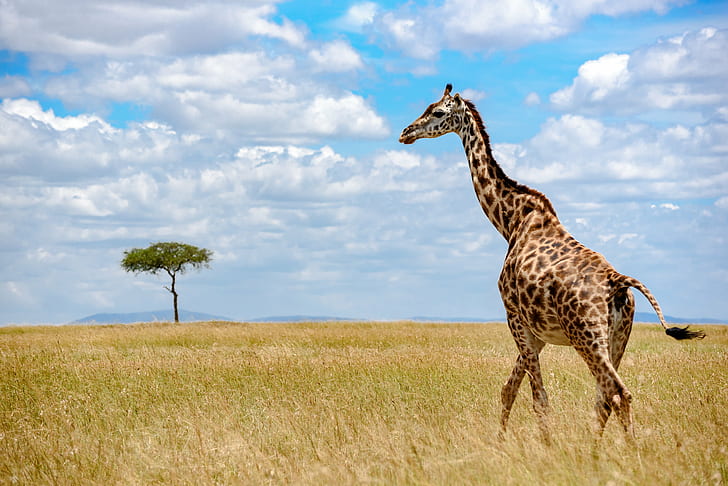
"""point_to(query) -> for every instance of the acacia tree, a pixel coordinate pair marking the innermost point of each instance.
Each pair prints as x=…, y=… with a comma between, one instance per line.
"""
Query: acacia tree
x=172, y=258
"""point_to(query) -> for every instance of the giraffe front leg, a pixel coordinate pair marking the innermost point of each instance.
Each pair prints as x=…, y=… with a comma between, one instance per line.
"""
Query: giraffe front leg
x=510, y=390
x=540, y=398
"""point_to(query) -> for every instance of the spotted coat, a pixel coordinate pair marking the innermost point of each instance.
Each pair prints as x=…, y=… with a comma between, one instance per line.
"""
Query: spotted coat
x=554, y=289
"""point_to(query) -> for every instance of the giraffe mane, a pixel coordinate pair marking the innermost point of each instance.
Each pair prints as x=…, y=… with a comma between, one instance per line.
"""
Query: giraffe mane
x=498, y=170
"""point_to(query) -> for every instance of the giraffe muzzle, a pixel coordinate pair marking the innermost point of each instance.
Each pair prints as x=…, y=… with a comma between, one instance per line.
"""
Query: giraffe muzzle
x=407, y=136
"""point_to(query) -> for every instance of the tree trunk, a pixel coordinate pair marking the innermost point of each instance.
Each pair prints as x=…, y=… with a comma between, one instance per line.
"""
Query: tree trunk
x=174, y=294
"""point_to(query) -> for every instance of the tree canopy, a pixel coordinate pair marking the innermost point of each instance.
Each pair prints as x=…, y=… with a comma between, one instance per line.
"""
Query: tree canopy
x=171, y=257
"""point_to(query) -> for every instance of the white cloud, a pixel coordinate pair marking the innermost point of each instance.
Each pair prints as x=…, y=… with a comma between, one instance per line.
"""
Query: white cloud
x=13, y=87
x=225, y=72
x=219, y=83
x=532, y=99
x=612, y=161
x=270, y=98
x=347, y=115
x=668, y=206
x=224, y=116
x=397, y=158
x=31, y=110
x=595, y=81
x=471, y=26
x=358, y=16
x=473, y=94
x=78, y=29
x=627, y=238
x=37, y=143
x=94, y=200
x=500, y=24
x=411, y=34
x=19, y=292
x=336, y=56
x=683, y=72
x=249, y=75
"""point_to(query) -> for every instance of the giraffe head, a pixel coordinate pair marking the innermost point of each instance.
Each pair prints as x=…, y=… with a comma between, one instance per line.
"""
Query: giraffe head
x=439, y=118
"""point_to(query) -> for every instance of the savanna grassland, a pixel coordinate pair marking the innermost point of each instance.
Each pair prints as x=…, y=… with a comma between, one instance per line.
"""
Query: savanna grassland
x=344, y=403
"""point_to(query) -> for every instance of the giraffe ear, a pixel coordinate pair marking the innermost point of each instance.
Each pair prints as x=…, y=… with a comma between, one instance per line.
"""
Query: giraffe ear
x=457, y=97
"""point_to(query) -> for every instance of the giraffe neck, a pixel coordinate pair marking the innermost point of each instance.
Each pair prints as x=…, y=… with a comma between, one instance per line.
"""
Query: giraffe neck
x=504, y=201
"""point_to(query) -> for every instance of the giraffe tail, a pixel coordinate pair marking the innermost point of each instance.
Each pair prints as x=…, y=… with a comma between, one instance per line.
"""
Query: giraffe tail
x=679, y=333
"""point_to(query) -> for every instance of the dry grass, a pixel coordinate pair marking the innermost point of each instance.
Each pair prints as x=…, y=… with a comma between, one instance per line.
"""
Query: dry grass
x=333, y=403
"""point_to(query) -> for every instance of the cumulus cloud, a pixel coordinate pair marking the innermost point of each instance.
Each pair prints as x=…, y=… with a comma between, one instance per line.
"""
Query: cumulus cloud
x=595, y=81
x=336, y=56
x=269, y=97
x=613, y=161
x=38, y=143
x=410, y=33
x=79, y=29
x=115, y=183
x=347, y=115
x=471, y=26
x=502, y=24
x=220, y=82
x=222, y=95
x=31, y=110
x=682, y=72
x=358, y=16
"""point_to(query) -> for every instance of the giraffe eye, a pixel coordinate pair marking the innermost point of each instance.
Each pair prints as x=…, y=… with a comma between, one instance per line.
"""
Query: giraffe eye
x=438, y=113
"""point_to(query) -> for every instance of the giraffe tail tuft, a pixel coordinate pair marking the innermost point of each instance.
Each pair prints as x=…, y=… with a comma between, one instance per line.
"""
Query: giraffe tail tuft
x=678, y=333
x=684, y=333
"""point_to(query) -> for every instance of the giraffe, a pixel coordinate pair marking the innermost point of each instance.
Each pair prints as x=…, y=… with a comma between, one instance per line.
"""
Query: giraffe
x=554, y=289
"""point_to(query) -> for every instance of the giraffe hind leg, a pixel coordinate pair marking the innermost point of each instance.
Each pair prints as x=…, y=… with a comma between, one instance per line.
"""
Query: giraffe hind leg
x=602, y=410
x=623, y=403
x=612, y=395
x=621, y=315
x=618, y=400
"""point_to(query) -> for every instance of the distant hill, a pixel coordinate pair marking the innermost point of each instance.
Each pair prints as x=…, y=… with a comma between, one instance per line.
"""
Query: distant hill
x=455, y=319
x=189, y=316
x=300, y=318
x=150, y=316
x=652, y=317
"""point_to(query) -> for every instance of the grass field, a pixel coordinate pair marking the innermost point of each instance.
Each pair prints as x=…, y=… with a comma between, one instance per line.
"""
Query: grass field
x=344, y=403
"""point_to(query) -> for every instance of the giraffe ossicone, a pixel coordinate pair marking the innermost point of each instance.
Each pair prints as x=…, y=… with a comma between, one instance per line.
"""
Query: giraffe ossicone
x=554, y=289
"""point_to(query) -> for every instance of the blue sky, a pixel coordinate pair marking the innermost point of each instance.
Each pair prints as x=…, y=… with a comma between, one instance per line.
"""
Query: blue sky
x=267, y=132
